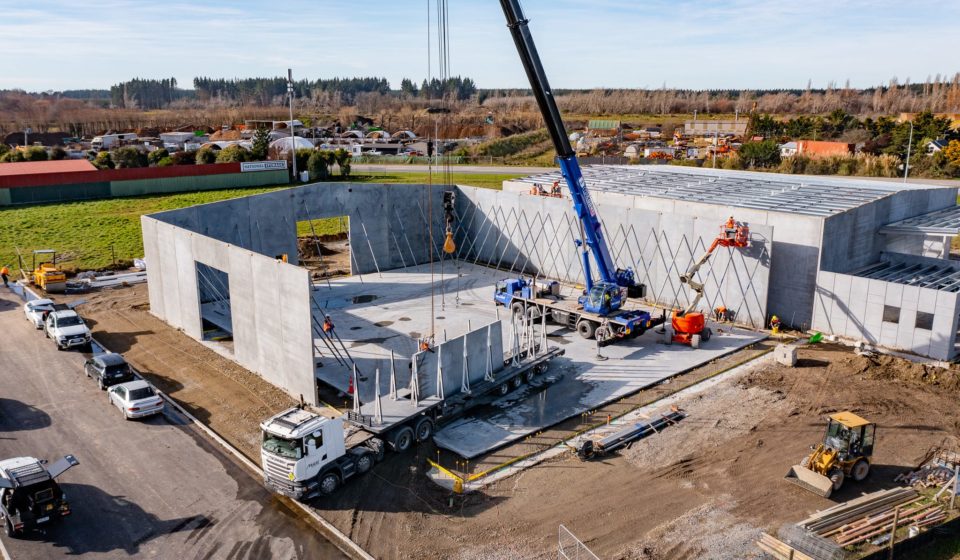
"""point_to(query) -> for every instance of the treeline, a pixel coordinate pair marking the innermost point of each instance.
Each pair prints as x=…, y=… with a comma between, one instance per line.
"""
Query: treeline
x=270, y=91
x=457, y=87
x=139, y=93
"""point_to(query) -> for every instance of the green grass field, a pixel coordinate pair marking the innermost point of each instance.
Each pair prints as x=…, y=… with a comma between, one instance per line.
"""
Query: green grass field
x=88, y=234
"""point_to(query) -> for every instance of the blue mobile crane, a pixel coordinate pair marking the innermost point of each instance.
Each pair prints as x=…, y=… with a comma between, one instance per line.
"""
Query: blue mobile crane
x=600, y=310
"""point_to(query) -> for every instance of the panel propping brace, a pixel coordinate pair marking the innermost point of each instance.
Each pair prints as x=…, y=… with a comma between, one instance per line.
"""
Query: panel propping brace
x=465, y=381
x=488, y=374
x=393, y=377
x=414, y=381
x=378, y=409
x=356, y=390
x=439, y=371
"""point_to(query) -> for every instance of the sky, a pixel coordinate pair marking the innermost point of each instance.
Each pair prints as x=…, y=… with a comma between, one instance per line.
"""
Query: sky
x=738, y=44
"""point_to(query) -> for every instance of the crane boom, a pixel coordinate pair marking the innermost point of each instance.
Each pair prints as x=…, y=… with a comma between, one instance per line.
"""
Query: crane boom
x=586, y=211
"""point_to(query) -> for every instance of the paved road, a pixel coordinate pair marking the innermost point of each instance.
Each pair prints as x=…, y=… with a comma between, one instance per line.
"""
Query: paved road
x=465, y=169
x=154, y=488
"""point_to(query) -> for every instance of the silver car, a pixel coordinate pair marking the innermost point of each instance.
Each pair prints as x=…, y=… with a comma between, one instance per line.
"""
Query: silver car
x=135, y=399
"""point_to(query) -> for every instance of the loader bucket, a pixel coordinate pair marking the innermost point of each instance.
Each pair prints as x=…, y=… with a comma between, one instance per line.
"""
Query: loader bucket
x=809, y=480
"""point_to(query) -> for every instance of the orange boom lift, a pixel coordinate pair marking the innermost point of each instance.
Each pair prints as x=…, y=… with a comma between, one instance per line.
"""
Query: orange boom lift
x=689, y=325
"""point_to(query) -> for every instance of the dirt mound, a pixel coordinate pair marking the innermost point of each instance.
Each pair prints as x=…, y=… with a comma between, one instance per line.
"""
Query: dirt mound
x=307, y=246
x=892, y=368
x=222, y=135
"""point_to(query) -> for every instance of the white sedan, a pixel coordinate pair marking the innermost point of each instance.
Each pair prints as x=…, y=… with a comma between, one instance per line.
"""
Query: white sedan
x=135, y=399
x=36, y=310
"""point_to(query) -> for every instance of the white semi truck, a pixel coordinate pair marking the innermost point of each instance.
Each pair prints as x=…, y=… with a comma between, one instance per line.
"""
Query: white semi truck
x=305, y=454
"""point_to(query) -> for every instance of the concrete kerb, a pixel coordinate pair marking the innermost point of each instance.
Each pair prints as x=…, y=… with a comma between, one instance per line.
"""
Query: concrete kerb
x=446, y=479
x=337, y=537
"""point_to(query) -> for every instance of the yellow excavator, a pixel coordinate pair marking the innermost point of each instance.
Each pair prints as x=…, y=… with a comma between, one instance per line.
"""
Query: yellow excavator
x=845, y=452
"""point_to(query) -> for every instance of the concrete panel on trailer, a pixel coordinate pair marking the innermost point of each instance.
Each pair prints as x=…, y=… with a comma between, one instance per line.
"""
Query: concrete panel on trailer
x=380, y=315
x=584, y=385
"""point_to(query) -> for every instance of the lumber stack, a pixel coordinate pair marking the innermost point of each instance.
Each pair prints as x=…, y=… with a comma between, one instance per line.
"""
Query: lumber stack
x=936, y=472
x=873, y=515
x=779, y=549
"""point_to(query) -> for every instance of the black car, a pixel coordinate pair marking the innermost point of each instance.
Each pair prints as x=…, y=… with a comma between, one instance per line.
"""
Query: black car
x=108, y=369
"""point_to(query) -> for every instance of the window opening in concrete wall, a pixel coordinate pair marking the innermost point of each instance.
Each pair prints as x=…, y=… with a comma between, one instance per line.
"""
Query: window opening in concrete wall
x=891, y=314
x=924, y=321
x=323, y=246
x=213, y=287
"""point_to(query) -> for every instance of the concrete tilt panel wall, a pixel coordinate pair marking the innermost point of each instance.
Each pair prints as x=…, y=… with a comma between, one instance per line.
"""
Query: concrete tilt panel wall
x=270, y=301
x=534, y=235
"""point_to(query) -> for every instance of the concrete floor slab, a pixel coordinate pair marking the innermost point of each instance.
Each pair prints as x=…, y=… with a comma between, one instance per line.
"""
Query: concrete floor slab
x=379, y=313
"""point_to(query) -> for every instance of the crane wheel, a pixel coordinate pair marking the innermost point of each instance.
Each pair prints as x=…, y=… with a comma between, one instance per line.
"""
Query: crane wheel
x=695, y=341
x=860, y=470
x=706, y=334
x=586, y=328
x=516, y=308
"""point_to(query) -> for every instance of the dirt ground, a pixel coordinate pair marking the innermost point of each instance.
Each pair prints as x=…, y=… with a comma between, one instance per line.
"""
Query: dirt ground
x=702, y=489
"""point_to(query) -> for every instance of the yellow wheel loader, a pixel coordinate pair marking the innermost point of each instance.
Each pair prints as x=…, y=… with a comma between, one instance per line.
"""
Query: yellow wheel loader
x=846, y=452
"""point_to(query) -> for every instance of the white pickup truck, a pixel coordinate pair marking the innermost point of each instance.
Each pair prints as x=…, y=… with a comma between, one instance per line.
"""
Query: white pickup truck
x=67, y=329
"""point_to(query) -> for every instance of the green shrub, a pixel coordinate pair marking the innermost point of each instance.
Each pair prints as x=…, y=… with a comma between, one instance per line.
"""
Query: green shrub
x=303, y=156
x=155, y=156
x=129, y=157
x=204, y=156
x=103, y=161
x=319, y=165
x=165, y=162
x=760, y=154
x=13, y=156
x=343, y=159
x=184, y=158
x=36, y=153
x=58, y=153
x=502, y=147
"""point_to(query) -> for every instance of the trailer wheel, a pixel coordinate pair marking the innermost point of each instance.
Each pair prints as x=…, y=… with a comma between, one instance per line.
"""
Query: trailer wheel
x=517, y=382
x=504, y=389
x=695, y=341
x=423, y=429
x=528, y=375
x=364, y=462
x=586, y=328
x=402, y=439
x=329, y=483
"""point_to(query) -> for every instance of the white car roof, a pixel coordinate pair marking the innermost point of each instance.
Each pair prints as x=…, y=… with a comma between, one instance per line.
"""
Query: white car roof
x=65, y=313
x=136, y=384
x=38, y=302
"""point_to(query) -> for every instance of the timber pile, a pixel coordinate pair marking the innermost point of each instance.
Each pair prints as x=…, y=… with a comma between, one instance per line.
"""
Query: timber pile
x=936, y=472
x=873, y=515
x=779, y=549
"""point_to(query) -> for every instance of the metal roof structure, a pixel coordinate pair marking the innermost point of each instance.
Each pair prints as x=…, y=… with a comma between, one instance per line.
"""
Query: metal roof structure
x=939, y=222
x=941, y=275
x=811, y=196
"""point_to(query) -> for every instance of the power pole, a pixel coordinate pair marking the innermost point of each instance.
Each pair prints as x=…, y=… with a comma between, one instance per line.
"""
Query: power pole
x=906, y=166
x=293, y=137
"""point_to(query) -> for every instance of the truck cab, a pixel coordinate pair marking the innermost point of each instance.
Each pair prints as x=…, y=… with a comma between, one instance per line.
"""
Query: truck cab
x=30, y=495
x=304, y=454
x=67, y=329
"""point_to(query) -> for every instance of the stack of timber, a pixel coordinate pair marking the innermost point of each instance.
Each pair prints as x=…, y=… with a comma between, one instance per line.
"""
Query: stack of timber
x=935, y=472
x=874, y=515
x=779, y=549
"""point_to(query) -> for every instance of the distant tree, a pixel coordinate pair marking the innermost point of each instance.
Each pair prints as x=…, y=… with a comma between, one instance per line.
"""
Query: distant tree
x=408, y=88
x=36, y=153
x=184, y=158
x=58, y=153
x=318, y=165
x=103, y=161
x=232, y=154
x=303, y=158
x=129, y=157
x=343, y=157
x=952, y=152
x=155, y=156
x=760, y=154
x=205, y=155
x=165, y=162
x=261, y=144
x=4, y=148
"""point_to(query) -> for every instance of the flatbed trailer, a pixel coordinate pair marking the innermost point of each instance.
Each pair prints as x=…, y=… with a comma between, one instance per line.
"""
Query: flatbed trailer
x=306, y=454
x=627, y=322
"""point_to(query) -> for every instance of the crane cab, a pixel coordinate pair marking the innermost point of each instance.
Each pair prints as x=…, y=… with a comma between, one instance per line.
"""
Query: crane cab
x=603, y=298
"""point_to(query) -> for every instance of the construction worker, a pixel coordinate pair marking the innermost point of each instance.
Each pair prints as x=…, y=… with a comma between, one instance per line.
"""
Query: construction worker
x=555, y=189
x=775, y=325
x=327, y=324
x=720, y=313
x=425, y=345
x=731, y=228
x=5, y=274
